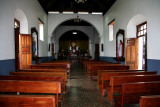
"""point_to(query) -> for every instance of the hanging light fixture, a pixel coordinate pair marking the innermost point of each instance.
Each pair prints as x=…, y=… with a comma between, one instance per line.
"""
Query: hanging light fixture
x=77, y=19
x=80, y=1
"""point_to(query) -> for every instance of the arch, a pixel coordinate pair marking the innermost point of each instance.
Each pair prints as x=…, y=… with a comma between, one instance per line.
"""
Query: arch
x=131, y=27
x=19, y=15
x=73, y=19
x=58, y=30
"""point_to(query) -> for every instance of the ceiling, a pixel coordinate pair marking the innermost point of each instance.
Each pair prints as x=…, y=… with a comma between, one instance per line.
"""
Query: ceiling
x=71, y=5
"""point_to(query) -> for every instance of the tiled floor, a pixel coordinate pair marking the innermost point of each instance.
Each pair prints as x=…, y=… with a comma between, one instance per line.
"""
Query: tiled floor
x=82, y=91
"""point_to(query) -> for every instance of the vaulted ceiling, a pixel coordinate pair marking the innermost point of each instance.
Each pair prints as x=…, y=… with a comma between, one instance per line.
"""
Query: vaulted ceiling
x=71, y=5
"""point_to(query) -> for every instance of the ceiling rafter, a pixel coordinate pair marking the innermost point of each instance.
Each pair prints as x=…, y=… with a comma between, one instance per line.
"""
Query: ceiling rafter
x=71, y=5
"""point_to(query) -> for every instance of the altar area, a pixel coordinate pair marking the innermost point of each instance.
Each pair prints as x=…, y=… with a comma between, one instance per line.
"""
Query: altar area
x=74, y=51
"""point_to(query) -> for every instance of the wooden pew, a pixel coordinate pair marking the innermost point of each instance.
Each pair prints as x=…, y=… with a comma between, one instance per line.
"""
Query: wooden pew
x=149, y=101
x=41, y=66
x=30, y=87
x=50, y=66
x=104, y=79
x=90, y=65
x=35, y=78
x=86, y=62
x=95, y=62
x=42, y=70
x=61, y=74
x=27, y=101
x=103, y=71
x=116, y=81
x=59, y=63
x=107, y=67
x=130, y=92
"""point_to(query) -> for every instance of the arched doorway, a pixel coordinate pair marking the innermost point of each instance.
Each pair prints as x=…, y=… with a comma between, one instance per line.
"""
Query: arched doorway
x=73, y=44
x=22, y=41
x=83, y=26
x=136, y=43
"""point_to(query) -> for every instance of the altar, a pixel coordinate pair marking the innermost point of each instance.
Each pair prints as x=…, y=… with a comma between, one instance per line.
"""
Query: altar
x=73, y=51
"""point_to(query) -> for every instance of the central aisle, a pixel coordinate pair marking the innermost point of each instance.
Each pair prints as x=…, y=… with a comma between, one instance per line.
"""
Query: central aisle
x=82, y=91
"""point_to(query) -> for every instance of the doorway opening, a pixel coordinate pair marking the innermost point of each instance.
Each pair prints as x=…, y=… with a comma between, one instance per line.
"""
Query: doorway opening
x=142, y=48
x=16, y=33
x=73, y=44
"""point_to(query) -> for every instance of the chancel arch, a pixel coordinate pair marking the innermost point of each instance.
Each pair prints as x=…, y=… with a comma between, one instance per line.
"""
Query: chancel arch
x=84, y=27
x=96, y=21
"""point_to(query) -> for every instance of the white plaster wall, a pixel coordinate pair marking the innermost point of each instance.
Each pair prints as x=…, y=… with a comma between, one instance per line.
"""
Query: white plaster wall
x=123, y=11
x=32, y=10
x=90, y=31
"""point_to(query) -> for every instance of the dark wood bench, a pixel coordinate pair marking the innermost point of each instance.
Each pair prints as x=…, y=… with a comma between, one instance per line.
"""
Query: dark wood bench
x=61, y=74
x=59, y=63
x=100, y=72
x=116, y=81
x=107, y=67
x=27, y=101
x=130, y=92
x=36, y=78
x=90, y=65
x=32, y=87
x=149, y=101
x=87, y=62
x=43, y=66
x=93, y=63
x=104, y=79
x=42, y=70
x=50, y=66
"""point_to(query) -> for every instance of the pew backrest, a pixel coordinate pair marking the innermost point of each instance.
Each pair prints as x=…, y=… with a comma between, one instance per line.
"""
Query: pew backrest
x=62, y=74
x=149, y=101
x=48, y=67
x=44, y=87
x=104, y=78
x=27, y=100
x=131, y=92
x=116, y=81
x=35, y=78
x=42, y=70
x=110, y=67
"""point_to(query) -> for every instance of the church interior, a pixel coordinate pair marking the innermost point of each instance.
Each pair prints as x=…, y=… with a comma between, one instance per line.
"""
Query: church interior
x=79, y=53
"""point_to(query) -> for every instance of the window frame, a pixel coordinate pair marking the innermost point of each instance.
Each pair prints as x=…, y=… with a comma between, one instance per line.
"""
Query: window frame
x=41, y=24
x=111, y=24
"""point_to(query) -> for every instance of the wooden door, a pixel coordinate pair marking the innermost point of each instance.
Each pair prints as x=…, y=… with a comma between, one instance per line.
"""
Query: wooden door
x=16, y=36
x=52, y=49
x=131, y=56
x=97, y=51
x=17, y=64
x=25, y=51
